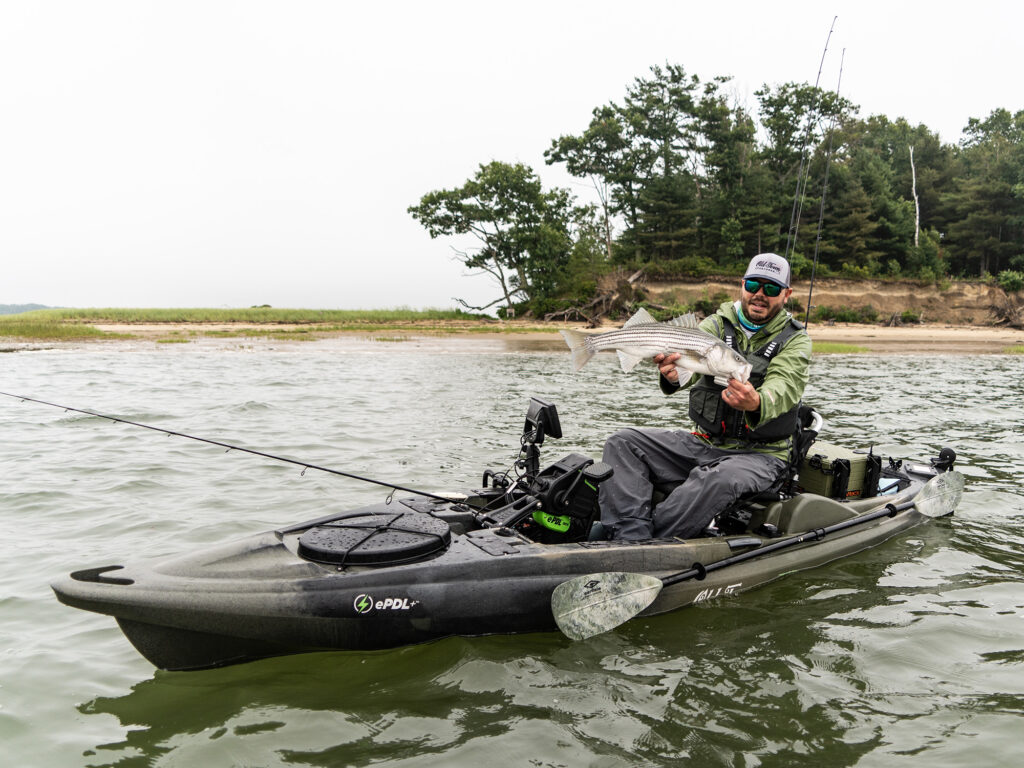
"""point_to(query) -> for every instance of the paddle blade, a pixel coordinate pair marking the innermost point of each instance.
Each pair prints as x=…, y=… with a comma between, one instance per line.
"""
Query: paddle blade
x=589, y=605
x=940, y=495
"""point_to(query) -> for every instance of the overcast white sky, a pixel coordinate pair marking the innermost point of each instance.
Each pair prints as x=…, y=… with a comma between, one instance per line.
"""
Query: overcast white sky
x=225, y=154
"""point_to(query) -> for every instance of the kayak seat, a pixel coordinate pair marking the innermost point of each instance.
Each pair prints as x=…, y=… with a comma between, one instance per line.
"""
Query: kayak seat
x=803, y=512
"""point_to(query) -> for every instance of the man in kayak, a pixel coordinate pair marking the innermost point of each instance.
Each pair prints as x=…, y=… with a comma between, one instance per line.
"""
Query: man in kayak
x=742, y=442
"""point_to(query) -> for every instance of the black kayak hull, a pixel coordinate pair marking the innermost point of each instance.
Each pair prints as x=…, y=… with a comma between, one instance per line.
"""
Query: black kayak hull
x=259, y=597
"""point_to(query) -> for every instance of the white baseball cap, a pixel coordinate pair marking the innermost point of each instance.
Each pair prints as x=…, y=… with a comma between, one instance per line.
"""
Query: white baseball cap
x=769, y=266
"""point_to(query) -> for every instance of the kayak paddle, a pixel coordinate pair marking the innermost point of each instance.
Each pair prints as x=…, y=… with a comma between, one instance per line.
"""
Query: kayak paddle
x=589, y=605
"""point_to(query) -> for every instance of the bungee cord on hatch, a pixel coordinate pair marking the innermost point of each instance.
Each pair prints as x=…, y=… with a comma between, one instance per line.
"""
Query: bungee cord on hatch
x=231, y=447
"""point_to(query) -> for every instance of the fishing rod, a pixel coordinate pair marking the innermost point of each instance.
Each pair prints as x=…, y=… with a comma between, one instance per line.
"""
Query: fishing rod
x=801, y=176
x=824, y=189
x=170, y=432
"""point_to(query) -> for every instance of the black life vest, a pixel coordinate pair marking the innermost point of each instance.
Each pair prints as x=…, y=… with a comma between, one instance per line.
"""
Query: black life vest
x=719, y=420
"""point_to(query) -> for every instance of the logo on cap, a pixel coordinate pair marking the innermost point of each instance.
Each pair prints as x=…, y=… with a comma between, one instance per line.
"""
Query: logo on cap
x=766, y=264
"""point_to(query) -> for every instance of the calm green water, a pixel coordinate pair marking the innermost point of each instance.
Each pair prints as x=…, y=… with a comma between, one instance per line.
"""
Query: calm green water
x=910, y=654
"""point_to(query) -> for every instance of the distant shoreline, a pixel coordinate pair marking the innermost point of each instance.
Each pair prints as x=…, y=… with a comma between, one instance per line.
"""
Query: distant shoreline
x=522, y=335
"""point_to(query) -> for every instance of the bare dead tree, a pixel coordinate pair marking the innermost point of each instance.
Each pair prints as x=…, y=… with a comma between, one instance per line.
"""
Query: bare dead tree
x=494, y=270
x=917, y=204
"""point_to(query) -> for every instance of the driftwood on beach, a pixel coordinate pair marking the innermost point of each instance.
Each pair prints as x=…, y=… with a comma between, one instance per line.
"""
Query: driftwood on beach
x=1009, y=313
x=611, y=299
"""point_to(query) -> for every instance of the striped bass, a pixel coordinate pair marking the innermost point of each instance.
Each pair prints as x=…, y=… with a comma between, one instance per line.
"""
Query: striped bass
x=642, y=337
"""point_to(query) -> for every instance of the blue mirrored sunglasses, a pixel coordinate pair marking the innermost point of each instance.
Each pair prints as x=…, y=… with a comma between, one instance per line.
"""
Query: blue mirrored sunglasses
x=771, y=290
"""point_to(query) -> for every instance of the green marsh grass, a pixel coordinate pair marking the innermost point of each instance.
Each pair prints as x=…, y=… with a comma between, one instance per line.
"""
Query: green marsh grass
x=15, y=326
x=836, y=348
x=78, y=324
x=1015, y=350
x=254, y=315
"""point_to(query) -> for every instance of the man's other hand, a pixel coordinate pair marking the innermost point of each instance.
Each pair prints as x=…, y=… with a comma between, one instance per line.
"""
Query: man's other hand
x=741, y=395
x=667, y=365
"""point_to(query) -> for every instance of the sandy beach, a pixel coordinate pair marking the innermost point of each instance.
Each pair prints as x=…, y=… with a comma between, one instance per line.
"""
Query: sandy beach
x=940, y=339
x=925, y=338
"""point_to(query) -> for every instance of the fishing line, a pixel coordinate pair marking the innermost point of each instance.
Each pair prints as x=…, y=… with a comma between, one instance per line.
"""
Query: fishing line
x=801, y=176
x=170, y=432
x=824, y=189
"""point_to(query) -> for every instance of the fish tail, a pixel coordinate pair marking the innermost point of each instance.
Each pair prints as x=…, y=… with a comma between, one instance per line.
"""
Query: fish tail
x=581, y=351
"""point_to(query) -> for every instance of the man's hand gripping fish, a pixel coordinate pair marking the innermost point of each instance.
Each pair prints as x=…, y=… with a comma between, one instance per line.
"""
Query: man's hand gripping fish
x=642, y=337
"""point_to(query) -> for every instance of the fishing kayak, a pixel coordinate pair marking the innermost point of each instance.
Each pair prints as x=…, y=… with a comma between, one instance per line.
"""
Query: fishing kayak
x=486, y=561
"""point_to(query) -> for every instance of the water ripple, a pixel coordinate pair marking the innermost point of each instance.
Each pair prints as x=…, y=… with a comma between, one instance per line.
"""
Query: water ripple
x=912, y=651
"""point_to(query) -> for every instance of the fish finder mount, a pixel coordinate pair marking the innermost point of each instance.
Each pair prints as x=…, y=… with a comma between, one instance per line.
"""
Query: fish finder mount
x=556, y=504
x=541, y=421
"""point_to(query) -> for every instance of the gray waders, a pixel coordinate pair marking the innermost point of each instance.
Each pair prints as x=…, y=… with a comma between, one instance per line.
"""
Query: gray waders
x=712, y=479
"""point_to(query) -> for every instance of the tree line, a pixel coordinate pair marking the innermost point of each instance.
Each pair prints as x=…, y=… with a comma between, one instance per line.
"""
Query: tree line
x=690, y=183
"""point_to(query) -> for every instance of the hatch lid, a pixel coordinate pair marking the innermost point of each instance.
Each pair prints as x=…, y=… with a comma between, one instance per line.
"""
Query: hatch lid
x=375, y=539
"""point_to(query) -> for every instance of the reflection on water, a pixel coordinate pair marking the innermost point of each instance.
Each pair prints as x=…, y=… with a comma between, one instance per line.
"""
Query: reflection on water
x=911, y=651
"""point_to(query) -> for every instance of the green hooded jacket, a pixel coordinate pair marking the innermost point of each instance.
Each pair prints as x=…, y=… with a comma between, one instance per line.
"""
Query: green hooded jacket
x=784, y=381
